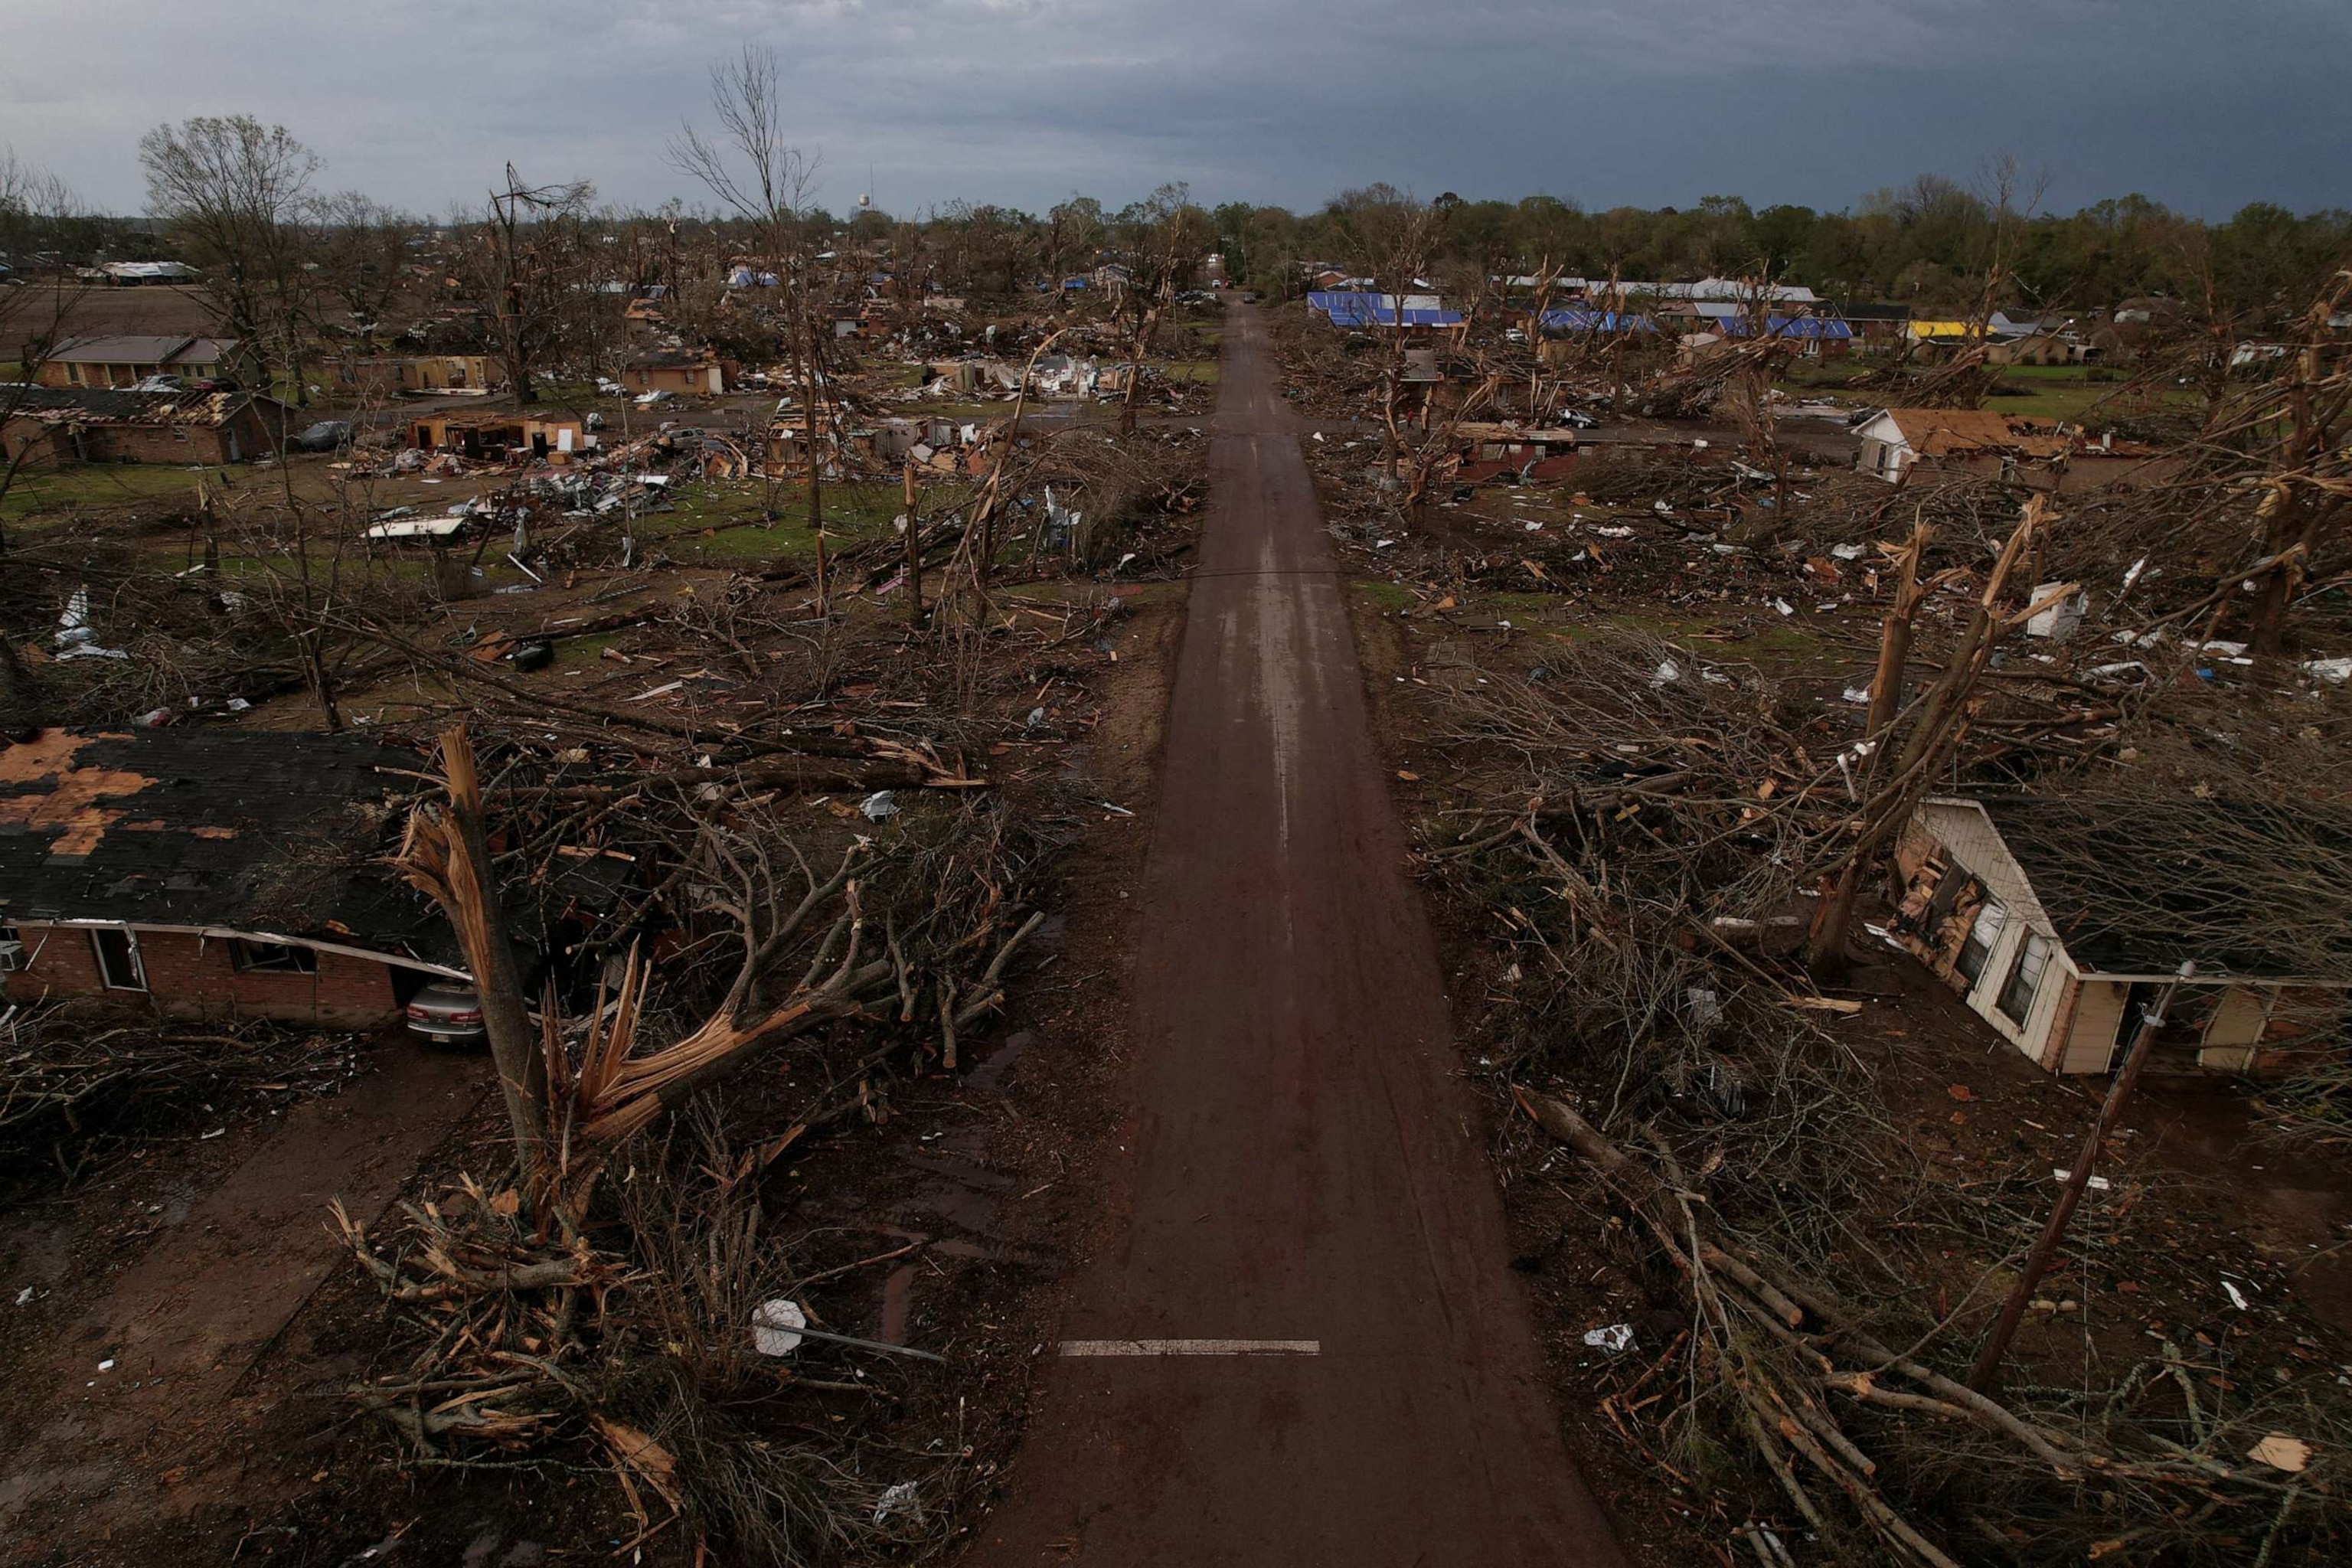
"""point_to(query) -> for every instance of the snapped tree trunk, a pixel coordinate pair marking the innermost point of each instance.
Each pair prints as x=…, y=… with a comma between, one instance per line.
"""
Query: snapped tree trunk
x=446, y=856
x=1825, y=948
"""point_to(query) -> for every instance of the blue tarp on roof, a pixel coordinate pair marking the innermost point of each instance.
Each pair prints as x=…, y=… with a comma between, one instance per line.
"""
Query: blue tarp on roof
x=1575, y=320
x=1788, y=327
x=1359, y=310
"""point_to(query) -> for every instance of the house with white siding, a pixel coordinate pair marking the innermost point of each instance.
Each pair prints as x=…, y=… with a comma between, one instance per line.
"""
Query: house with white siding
x=2058, y=924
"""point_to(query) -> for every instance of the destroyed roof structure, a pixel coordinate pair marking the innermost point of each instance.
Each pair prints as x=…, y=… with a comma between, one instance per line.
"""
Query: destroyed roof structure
x=2057, y=920
x=133, y=272
x=1579, y=320
x=58, y=426
x=1824, y=329
x=1944, y=432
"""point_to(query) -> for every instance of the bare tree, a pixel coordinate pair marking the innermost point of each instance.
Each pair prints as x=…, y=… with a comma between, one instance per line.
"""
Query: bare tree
x=1073, y=232
x=362, y=250
x=527, y=257
x=769, y=183
x=35, y=208
x=1389, y=236
x=234, y=192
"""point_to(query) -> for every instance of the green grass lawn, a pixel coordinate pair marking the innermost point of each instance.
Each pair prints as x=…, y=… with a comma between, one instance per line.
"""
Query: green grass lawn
x=62, y=490
x=725, y=522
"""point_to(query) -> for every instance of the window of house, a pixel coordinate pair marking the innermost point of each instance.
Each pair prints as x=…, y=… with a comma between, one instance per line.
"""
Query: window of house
x=1977, y=951
x=117, y=958
x=271, y=958
x=12, y=950
x=2025, y=980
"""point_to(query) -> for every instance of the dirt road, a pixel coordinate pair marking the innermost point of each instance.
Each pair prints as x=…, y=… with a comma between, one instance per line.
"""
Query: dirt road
x=1304, y=1344
x=145, y=1382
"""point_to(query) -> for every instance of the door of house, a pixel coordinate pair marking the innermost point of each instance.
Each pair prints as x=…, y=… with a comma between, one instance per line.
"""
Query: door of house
x=2183, y=1032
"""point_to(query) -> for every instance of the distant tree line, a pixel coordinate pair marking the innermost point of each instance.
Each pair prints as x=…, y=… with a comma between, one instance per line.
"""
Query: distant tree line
x=1926, y=245
x=545, y=272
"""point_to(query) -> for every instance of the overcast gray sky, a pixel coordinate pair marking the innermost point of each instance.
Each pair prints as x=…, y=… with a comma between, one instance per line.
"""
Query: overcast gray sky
x=1650, y=102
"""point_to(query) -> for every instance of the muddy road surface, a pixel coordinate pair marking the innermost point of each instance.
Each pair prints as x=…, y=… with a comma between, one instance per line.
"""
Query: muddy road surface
x=1300, y=1341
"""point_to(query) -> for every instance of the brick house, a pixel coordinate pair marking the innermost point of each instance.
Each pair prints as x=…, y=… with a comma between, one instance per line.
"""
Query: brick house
x=499, y=435
x=58, y=426
x=683, y=371
x=126, y=361
x=2057, y=923
x=212, y=873
x=388, y=374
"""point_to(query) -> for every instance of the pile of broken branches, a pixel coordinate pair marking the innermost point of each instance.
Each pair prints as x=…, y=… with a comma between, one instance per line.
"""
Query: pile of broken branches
x=635, y=1340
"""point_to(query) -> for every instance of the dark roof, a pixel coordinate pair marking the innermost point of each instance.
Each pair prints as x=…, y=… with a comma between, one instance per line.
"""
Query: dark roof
x=143, y=350
x=656, y=359
x=1875, y=313
x=256, y=830
x=2134, y=887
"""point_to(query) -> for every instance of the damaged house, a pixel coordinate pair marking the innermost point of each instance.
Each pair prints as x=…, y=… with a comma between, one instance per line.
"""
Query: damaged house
x=2059, y=924
x=682, y=372
x=419, y=373
x=58, y=426
x=496, y=436
x=2054, y=457
x=212, y=873
x=245, y=873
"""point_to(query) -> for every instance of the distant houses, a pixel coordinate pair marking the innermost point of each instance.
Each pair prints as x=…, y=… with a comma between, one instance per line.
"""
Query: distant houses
x=126, y=361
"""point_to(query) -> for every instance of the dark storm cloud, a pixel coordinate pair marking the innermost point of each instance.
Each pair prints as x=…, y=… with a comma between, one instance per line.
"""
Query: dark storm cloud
x=1023, y=101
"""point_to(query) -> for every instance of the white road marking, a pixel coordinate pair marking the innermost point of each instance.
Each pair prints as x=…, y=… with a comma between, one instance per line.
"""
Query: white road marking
x=1192, y=1347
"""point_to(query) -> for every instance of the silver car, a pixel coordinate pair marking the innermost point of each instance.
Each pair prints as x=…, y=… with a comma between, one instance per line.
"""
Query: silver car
x=446, y=1010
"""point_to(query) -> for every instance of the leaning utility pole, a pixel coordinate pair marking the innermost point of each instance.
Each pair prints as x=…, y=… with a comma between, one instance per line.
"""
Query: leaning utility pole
x=1987, y=1375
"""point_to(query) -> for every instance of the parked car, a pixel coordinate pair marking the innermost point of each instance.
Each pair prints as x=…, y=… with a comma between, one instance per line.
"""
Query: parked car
x=447, y=1011
x=1577, y=419
x=326, y=436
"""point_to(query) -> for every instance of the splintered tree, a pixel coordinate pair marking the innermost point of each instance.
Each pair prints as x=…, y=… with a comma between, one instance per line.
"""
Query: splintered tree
x=1390, y=236
x=526, y=260
x=2308, y=487
x=1939, y=718
x=233, y=192
x=769, y=185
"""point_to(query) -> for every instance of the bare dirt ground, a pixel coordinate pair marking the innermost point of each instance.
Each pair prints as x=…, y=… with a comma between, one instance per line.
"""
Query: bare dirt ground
x=158, y=309
x=139, y=1356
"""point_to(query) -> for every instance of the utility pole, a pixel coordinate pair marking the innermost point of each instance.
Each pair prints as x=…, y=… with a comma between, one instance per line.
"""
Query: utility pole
x=1987, y=1375
x=914, y=551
